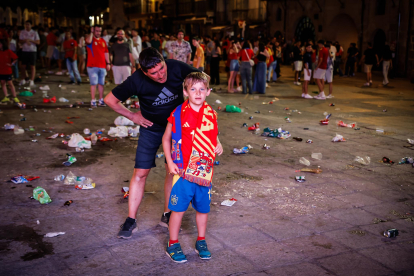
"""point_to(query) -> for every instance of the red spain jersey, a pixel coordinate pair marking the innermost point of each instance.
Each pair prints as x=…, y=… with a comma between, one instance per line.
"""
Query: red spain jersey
x=96, y=53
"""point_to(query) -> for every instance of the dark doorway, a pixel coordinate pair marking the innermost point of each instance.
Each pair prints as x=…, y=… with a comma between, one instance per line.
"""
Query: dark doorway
x=379, y=44
x=305, y=30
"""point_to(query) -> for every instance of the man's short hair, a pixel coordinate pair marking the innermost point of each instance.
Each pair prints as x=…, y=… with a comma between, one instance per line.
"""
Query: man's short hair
x=321, y=41
x=181, y=31
x=149, y=58
x=193, y=78
x=196, y=38
x=29, y=21
x=97, y=26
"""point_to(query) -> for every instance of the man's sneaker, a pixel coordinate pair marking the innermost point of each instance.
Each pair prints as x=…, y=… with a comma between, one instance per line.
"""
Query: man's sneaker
x=71, y=82
x=31, y=83
x=240, y=89
x=93, y=103
x=5, y=100
x=165, y=219
x=59, y=73
x=127, y=228
x=175, y=253
x=16, y=100
x=298, y=83
x=386, y=84
x=366, y=84
x=303, y=95
x=101, y=103
x=307, y=96
x=321, y=96
x=330, y=96
x=202, y=250
x=22, y=82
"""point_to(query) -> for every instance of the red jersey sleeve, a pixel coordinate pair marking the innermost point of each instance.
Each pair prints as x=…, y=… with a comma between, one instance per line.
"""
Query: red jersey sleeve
x=171, y=120
x=12, y=54
x=106, y=47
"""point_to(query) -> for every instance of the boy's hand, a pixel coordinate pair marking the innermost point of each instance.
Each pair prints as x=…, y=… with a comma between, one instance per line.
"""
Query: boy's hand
x=219, y=149
x=173, y=168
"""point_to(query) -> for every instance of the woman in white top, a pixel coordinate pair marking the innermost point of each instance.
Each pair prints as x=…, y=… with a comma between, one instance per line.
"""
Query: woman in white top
x=81, y=54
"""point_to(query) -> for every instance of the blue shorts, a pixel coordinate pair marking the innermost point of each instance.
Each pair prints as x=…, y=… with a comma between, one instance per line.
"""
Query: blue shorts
x=183, y=192
x=234, y=65
x=96, y=75
x=148, y=145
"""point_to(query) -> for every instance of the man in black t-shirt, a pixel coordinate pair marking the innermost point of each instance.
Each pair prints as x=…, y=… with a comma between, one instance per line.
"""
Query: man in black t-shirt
x=369, y=58
x=350, y=62
x=159, y=87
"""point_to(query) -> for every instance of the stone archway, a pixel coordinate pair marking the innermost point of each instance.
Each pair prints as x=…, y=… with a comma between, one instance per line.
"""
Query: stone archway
x=343, y=30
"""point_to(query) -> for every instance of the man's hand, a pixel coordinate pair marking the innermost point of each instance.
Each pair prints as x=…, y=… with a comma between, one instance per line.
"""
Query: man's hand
x=140, y=120
x=173, y=168
x=219, y=149
x=133, y=70
x=108, y=67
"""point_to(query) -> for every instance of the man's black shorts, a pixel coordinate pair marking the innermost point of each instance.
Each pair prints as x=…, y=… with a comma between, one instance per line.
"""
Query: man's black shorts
x=148, y=145
x=6, y=77
x=29, y=58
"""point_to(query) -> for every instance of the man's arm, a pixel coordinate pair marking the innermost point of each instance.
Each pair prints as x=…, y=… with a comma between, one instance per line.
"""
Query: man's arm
x=108, y=62
x=119, y=108
x=189, y=58
x=132, y=60
x=88, y=37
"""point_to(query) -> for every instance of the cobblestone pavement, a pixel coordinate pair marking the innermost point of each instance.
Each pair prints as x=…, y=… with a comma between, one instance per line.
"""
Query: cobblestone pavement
x=331, y=224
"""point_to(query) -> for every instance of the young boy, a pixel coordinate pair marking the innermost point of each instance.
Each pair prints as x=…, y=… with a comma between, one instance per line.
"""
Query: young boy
x=7, y=61
x=198, y=61
x=190, y=144
x=307, y=63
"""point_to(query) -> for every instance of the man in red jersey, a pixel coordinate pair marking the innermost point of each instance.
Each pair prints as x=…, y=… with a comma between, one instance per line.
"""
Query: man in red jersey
x=98, y=63
x=320, y=71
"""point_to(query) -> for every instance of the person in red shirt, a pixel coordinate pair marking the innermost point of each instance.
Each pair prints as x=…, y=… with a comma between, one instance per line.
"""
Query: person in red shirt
x=98, y=61
x=320, y=71
x=51, y=40
x=246, y=54
x=7, y=60
x=70, y=46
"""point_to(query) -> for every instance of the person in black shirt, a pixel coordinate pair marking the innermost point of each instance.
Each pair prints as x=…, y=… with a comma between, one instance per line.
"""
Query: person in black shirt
x=350, y=62
x=307, y=63
x=159, y=87
x=370, y=58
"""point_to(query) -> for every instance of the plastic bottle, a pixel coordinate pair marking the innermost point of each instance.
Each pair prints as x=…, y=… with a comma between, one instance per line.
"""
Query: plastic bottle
x=304, y=161
x=94, y=138
x=232, y=109
x=317, y=156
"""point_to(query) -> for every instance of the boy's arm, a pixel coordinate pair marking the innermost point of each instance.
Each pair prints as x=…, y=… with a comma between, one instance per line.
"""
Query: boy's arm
x=219, y=148
x=166, y=145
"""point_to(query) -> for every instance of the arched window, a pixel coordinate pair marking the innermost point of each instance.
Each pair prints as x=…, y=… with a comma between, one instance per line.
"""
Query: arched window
x=305, y=30
x=279, y=14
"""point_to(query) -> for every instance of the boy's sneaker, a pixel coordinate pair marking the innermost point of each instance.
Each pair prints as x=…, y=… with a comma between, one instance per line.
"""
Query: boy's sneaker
x=22, y=82
x=307, y=96
x=101, y=103
x=31, y=83
x=5, y=100
x=330, y=96
x=93, y=103
x=202, y=250
x=127, y=228
x=321, y=96
x=16, y=100
x=175, y=253
x=165, y=219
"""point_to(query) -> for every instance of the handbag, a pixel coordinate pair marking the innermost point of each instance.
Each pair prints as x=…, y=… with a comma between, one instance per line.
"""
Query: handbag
x=250, y=61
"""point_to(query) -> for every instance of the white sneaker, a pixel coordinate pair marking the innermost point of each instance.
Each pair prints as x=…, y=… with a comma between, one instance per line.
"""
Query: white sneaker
x=240, y=88
x=59, y=73
x=303, y=95
x=267, y=85
x=321, y=96
x=298, y=83
x=307, y=96
x=22, y=82
x=31, y=83
x=330, y=96
x=294, y=82
x=366, y=84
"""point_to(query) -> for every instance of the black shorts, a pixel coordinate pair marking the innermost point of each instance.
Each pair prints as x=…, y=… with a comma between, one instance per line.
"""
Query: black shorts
x=148, y=145
x=6, y=77
x=29, y=58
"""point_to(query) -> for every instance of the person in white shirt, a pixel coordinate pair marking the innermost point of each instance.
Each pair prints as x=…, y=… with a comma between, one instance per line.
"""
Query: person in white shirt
x=136, y=50
x=29, y=39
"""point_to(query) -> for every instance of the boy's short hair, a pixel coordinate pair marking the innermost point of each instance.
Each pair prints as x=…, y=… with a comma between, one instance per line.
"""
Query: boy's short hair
x=321, y=41
x=196, y=38
x=195, y=77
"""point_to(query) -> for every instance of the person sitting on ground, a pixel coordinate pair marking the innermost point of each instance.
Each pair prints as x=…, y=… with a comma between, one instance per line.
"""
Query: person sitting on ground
x=190, y=125
x=7, y=61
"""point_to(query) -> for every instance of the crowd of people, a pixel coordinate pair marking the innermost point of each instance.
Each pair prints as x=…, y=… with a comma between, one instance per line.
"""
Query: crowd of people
x=250, y=64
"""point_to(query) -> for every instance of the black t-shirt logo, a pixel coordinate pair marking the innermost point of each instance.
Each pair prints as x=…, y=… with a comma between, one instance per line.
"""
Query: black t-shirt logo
x=164, y=97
